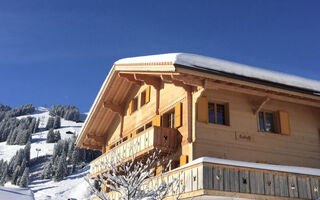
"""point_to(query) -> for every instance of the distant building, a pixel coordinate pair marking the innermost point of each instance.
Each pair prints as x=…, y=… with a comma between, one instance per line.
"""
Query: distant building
x=69, y=132
x=236, y=128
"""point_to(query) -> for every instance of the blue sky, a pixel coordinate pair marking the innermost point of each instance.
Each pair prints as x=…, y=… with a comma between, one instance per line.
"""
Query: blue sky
x=59, y=52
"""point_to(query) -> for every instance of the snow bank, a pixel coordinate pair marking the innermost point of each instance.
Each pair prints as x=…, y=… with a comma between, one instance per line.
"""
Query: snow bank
x=203, y=62
x=281, y=168
x=15, y=193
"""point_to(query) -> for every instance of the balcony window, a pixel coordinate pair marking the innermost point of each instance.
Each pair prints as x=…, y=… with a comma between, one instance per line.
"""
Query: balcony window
x=168, y=119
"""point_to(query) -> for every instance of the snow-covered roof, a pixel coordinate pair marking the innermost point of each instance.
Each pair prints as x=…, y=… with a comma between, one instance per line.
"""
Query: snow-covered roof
x=280, y=168
x=207, y=63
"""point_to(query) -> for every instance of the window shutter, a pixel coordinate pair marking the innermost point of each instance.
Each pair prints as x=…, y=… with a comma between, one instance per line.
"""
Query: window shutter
x=178, y=115
x=183, y=160
x=130, y=107
x=156, y=121
x=284, y=123
x=202, y=107
x=148, y=94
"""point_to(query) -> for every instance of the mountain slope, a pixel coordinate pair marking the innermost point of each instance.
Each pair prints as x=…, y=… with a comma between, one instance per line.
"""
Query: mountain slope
x=41, y=152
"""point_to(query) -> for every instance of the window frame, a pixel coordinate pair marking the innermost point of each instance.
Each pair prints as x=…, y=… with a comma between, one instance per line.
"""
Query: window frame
x=143, y=95
x=215, y=117
x=275, y=122
x=135, y=104
x=168, y=116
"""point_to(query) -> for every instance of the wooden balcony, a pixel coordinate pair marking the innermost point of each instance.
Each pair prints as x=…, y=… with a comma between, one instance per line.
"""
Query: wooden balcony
x=203, y=179
x=164, y=139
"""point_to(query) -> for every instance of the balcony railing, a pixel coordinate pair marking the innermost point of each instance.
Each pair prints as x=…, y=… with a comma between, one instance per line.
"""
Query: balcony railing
x=164, y=139
x=207, y=177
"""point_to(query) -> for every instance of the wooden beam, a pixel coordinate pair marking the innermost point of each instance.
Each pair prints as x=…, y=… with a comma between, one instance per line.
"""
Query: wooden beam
x=258, y=107
x=149, y=80
x=96, y=138
x=176, y=82
x=113, y=107
x=189, y=80
x=90, y=146
x=130, y=77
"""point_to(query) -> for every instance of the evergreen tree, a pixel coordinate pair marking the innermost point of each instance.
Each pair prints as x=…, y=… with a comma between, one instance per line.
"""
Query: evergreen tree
x=75, y=159
x=3, y=178
x=57, y=122
x=15, y=175
x=23, y=166
x=50, y=123
x=27, y=149
x=62, y=169
x=24, y=181
x=57, y=136
x=47, y=171
x=50, y=136
x=36, y=127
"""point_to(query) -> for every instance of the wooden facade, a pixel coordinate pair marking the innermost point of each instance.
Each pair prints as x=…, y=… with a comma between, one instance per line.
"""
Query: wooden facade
x=204, y=114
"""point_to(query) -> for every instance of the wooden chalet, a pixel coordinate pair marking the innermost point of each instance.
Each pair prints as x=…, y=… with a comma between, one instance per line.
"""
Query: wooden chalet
x=238, y=131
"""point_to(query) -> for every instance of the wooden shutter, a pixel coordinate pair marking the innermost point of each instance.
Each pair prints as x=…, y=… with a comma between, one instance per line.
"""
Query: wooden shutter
x=284, y=123
x=148, y=94
x=178, y=115
x=183, y=160
x=202, y=109
x=130, y=107
x=156, y=121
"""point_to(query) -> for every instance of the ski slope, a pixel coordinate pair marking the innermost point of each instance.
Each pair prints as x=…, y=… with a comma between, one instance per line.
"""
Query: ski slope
x=72, y=187
x=39, y=147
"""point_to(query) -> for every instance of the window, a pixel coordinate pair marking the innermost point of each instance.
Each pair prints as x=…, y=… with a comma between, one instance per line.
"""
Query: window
x=143, y=98
x=217, y=113
x=168, y=119
x=266, y=122
x=211, y=113
x=221, y=118
x=135, y=104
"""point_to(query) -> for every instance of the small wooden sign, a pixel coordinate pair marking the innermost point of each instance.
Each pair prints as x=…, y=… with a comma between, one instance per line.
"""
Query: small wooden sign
x=243, y=136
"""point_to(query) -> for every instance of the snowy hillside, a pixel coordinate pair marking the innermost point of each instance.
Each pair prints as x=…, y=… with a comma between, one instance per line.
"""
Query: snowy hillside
x=39, y=145
x=73, y=186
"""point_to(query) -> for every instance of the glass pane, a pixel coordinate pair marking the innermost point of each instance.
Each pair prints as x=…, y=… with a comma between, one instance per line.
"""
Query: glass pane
x=269, y=122
x=211, y=112
x=261, y=121
x=220, y=114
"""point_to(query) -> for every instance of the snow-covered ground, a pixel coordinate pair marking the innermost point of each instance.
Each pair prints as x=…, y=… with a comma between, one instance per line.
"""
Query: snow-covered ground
x=72, y=187
x=11, y=192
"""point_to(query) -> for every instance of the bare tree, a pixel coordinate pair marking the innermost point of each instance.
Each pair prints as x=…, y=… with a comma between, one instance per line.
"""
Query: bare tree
x=131, y=179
